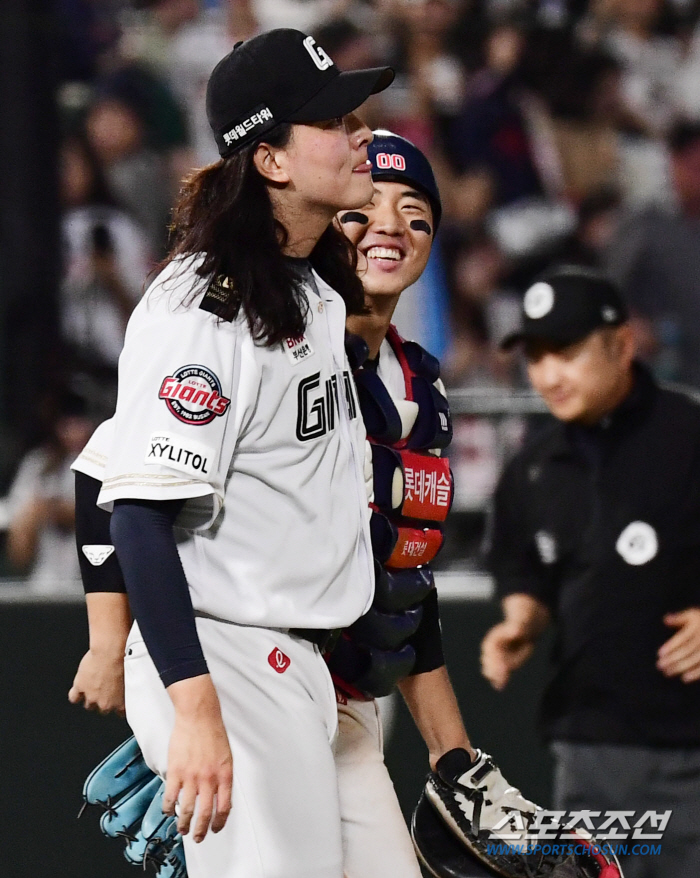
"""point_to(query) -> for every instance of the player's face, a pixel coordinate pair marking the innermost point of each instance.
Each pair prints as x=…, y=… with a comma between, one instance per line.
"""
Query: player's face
x=584, y=381
x=327, y=164
x=393, y=234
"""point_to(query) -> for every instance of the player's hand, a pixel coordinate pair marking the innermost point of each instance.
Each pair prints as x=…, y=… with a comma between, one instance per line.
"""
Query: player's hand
x=200, y=765
x=680, y=655
x=99, y=682
x=503, y=650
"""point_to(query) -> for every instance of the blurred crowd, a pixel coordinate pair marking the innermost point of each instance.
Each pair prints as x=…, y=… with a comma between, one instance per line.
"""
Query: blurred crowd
x=560, y=131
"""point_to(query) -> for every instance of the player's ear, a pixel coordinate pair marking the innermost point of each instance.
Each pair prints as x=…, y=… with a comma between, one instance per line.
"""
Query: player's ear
x=627, y=341
x=267, y=162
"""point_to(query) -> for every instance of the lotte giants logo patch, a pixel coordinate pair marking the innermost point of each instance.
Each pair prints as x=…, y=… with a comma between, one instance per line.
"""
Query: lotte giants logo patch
x=193, y=395
x=278, y=661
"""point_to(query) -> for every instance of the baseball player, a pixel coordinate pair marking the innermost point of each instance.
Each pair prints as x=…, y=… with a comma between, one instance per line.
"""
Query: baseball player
x=238, y=431
x=393, y=234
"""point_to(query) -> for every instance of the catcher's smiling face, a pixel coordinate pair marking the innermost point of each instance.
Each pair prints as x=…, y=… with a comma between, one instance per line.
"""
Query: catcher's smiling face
x=393, y=235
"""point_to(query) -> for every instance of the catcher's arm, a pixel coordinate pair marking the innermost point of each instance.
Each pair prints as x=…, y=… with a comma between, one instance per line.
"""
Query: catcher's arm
x=433, y=705
x=99, y=681
x=508, y=645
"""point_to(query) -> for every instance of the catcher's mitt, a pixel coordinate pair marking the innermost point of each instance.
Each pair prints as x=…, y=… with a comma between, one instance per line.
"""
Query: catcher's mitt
x=131, y=796
x=470, y=823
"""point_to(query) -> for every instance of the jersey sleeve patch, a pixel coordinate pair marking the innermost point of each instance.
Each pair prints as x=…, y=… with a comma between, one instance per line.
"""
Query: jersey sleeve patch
x=184, y=455
x=193, y=394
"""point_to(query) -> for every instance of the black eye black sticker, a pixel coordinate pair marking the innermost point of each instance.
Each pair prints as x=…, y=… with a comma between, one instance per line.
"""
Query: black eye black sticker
x=354, y=217
x=421, y=226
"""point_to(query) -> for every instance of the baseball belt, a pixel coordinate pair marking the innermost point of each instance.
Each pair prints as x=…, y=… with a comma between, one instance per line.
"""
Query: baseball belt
x=324, y=638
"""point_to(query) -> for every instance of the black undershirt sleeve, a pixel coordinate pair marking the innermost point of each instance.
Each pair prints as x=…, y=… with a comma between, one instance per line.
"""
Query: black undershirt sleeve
x=92, y=530
x=427, y=641
x=142, y=532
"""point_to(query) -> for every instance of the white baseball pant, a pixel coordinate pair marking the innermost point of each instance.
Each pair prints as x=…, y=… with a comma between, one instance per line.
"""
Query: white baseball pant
x=279, y=708
x=376, y=842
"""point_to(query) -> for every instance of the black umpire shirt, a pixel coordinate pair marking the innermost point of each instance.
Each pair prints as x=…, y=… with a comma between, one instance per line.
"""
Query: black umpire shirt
x=603, y=525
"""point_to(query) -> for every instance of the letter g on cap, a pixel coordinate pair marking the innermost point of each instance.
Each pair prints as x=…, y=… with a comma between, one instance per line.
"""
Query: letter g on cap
x=319, y=56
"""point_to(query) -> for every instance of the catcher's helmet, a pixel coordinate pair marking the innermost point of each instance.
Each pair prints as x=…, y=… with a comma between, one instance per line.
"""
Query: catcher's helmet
x=397, y=160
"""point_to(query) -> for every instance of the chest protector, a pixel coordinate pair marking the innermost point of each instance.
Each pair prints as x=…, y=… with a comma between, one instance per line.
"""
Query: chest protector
x=413, y=492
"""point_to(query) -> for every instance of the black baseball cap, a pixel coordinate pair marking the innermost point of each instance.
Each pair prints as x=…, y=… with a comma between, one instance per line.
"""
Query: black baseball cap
x=566, y=305
x=281, y=76
x=397, y=160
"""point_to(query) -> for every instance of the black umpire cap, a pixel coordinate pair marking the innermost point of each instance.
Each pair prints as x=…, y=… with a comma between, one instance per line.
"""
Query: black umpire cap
x=282, y=76
x=566, y=305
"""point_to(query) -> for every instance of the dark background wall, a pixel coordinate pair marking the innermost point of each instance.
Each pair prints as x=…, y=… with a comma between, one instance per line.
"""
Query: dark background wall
x=47, y=746
x=29, y=218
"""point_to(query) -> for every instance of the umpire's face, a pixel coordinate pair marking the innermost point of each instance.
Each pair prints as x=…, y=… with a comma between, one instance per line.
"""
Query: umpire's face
x=586, y=380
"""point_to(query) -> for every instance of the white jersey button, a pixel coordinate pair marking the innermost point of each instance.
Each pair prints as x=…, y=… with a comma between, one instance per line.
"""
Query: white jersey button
x=320, y=307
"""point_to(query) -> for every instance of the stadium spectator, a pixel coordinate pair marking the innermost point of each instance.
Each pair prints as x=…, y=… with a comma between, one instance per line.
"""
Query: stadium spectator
x=195, y=50
x=598, y=217
x=650, y=60
x=148, y=30
x=40, y=539
x=88, y=38
x=655, y=257
x=491, y=131
x=484, y=312
x=105, y=262
x=136, y=173
x=586, y=128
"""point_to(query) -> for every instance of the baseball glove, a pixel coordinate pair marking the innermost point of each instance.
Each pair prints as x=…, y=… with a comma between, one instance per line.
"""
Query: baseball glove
x=470, y=823
x=131, y=796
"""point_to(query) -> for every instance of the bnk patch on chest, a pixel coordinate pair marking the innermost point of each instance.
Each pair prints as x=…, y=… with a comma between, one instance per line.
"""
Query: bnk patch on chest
x=297, y=349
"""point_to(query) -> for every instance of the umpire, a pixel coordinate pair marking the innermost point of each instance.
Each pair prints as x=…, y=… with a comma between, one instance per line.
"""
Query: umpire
x=596, y=529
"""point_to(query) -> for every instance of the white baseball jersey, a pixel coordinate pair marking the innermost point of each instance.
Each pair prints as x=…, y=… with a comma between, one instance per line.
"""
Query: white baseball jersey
x=266, y=444
x=92, y=460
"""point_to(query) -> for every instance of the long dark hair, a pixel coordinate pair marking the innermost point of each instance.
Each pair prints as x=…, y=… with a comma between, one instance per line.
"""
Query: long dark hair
x=224, y=212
